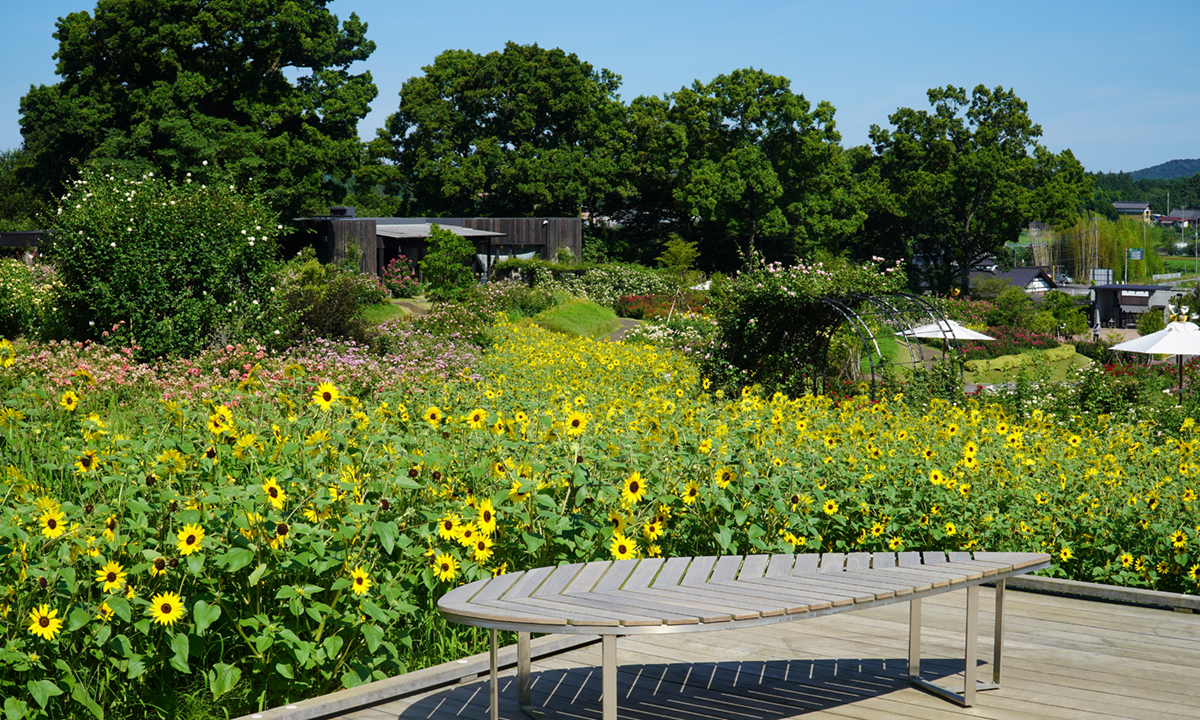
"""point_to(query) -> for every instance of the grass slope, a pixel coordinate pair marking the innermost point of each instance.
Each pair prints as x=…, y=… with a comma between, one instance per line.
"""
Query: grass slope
x=582, y=318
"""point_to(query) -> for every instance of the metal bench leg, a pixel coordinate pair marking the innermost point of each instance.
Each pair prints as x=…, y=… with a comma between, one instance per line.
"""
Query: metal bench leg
x=998, y=647
x=964, y=696
x=524, y=683
x=609, y=654
x=494, y=685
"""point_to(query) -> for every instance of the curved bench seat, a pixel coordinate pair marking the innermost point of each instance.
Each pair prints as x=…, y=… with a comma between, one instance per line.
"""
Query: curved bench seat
x=648, y=596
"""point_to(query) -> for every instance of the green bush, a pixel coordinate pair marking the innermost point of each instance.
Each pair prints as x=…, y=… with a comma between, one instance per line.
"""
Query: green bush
x=1150, y=322
x=444, y=270
x=1013, y=309
x=316, y=300
x=166, y=267
x=29, y=298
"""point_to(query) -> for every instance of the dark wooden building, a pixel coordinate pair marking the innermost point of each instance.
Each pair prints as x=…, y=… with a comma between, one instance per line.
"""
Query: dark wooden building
x=379, y=240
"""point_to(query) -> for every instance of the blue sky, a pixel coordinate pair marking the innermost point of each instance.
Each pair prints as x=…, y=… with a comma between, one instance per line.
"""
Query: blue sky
x=1117, y=83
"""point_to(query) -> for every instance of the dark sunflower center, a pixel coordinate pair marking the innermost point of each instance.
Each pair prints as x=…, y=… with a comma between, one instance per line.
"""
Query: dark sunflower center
x=51, y=523
x=633, y=487
x=622, y=549
x=358, y=581
x=86, y=461
x=44, y=621
x=274, y=492
x=165, y=609
x=487, y=516
x=281, y=529
x=575, y=423
x=445, y=567
x=111, y=577
x=327, y=397
x=159, y=564
x=191, y=539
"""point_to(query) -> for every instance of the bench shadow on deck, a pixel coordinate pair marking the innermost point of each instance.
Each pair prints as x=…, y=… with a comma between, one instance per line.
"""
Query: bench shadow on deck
x=771, y=690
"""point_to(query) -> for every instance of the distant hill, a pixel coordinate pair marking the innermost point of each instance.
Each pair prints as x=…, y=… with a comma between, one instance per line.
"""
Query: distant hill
x=1168, y=170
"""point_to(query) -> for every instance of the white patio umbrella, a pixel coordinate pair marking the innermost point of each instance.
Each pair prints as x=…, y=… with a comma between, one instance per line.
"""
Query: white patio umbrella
x=944, y=329
x=1178, y=339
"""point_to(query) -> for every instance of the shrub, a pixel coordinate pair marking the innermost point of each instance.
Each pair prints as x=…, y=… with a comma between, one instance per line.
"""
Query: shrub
x=1150, y=321
x=1013, y=309
x=445, y=270
x=177, y=263
x=400, y=278
x=316, y=300
x=29, y=300
x=1006, y=341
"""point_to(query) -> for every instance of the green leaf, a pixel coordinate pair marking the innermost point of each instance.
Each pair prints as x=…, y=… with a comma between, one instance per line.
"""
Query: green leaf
x=78, y=618
x=258, y=574
x=120, y=607
x=724, y=538
x=373, y=635
x=236, y=559
x=137, y=668
x=180, y=664
x=180, y=645
x=204, y=615
x=222, y=678
x=14, y=709
x=42, y=691
x=333, y=645
x=138, y=506
x=532, y=542
x=387, y=532
x=375, y=612
x=195, y=563
x=67, y=575
x=406, y=482
x=80, y=694
x=352, y=679
x=285, y=670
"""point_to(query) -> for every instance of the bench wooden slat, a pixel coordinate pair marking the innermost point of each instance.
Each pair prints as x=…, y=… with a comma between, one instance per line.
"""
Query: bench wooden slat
x=558, y=580
x=616, y=576
x=754, y=566
x=698, y=571
x=907, y=559
x=960, y=557
x=500, y=610
x=936, y=580
x=902, y=587
x=806, y=564
x=671, y=573
x=587, y=578
x=832, y=562
x=695, y=608
x=742, y=602
x=781, y=565
x=578, y=607
x=841, y=590
x=795, y=592
x=858, y=561
x=643, y=574
x=883, y=560
x=933, y=557
x=525, y=586
x=497, y=586
x=726, y=569
x=463, y=593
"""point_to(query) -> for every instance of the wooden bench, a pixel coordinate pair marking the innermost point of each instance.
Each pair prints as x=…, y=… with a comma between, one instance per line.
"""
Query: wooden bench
x=651, y=596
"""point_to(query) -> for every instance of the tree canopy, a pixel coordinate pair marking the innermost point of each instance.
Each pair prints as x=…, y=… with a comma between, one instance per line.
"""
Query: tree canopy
x=965, y=178
x=525, y=131
x=167, y=85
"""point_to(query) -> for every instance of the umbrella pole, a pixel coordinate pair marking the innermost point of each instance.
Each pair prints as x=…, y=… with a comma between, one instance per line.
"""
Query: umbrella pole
x=1179, y=361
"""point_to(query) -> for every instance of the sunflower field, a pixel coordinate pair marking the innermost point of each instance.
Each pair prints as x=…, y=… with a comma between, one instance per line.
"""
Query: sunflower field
x=250, y=529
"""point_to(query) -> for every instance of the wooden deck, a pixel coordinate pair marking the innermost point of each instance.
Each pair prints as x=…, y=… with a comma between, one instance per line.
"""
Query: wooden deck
x=1063, y=658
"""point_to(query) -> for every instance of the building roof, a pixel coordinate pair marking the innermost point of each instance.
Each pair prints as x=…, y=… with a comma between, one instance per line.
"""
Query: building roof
x=1022, y=276
x=1191, y=215
x=1132, y=287
x=424, y=230
x=1131, y=205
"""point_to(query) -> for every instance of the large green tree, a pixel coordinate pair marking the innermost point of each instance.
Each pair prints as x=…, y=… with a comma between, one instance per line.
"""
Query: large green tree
x=525, y=131
x=965, y=178
x=167, y=85
x=737, y=164
x=19, y=206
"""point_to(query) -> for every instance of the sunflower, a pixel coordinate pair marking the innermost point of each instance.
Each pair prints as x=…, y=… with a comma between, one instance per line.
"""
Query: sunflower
x=936, y=477
x=280, y=538
x=622, y=547
x=110, y=528
x=723, y=476
x=275, y=494
x=652, y=530
x=970, y=449
x=86, y=462
x=467, y=534
x=486, y=519
x=576, y=423
x=1178, y=539
x=325, y=396
x=690, y=492
x=52, y=523
x=950, y=529
x=69, y=401
x=617, y=521
x=433, y=415
x=1126, y=560
x=166, y=608
x=448, y=526
x=111, y=576
x=360, y=581
x=189, y=538
x=446, y=567
x=635, y=489
x=175, y=462
x=104, y=613
x=830, y=507
x=483, y=549
x=159, y=566
x=895, y=544
x=1065, y=554
x=477, y=419
x=44, y=622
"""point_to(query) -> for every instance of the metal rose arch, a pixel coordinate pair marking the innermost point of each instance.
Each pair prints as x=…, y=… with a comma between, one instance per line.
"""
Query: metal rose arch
x=867, y=318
